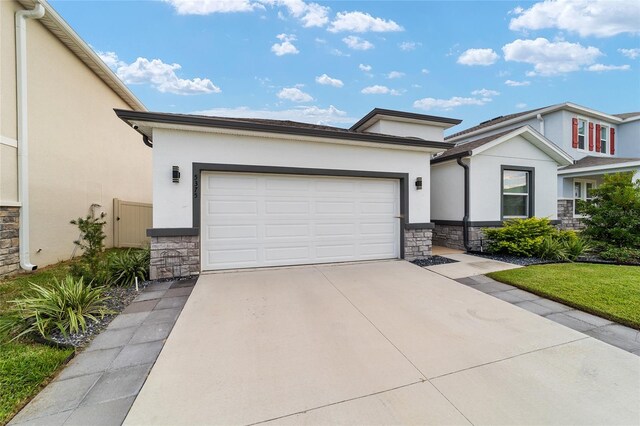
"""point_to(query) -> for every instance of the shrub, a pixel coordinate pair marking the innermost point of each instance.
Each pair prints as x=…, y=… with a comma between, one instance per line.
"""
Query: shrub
x=519, y=237
x=577, y=247
x=125, y=266
x=66, y=305
x=621, y=254
x=552, y=248
x=613, y=214
x=91, y=242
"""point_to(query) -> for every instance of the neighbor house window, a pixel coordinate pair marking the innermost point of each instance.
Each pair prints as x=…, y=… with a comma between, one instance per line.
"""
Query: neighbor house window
x=582, y=133
x=604, y=138
x=516, y=193
x=582, y=192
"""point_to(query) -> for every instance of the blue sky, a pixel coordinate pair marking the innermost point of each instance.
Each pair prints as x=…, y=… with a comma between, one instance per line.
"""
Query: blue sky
x=332, y=62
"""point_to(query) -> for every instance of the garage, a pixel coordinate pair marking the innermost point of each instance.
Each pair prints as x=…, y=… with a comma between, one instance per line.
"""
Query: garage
x=233, y=193
x=256, y=220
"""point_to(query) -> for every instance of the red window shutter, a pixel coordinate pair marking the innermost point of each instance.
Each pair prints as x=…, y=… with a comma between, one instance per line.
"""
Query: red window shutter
x=574, y=132
x=613, y=141
x=590, y=136
x=598, y=138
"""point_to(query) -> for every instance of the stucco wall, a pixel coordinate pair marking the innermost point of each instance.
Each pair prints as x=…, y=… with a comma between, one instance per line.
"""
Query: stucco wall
x=399, y=128
x=173, y=201
x=486, y=179
x=80, y=152
x=447, y=191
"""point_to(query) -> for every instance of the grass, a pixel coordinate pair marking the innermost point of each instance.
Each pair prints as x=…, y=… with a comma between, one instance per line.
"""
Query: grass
x=609, y=291
x=24, y=370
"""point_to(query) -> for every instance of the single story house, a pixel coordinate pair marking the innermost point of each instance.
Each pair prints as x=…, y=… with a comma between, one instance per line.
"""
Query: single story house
x=63, y=154
x=481, y=183
x=242, y=193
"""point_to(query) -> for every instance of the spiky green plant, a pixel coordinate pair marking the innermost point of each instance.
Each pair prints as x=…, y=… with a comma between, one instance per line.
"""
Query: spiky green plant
x=66, y=305
x=125, y=266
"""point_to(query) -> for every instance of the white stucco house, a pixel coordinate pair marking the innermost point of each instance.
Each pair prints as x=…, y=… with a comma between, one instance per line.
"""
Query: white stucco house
x=234, y=193
x=600, y=143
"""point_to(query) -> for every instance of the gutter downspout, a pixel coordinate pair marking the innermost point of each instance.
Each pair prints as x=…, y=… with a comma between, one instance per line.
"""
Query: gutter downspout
x=23, y=141
x=465, y=219
x=541, y=120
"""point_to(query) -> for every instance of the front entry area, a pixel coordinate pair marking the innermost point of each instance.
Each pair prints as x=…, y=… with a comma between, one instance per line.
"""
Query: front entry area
x=255, y=219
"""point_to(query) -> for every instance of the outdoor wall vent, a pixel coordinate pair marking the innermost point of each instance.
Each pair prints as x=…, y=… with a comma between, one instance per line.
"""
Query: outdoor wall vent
x=419, y=183
x=176, y=174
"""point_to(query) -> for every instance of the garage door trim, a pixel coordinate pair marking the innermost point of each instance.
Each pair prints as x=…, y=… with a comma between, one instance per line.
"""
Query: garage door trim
x=403, y=178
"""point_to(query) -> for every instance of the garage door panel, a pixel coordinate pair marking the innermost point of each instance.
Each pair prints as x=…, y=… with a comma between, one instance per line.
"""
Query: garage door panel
x=253, y=220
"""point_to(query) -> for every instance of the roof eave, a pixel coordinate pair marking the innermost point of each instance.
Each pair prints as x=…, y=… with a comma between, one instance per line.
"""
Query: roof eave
x=221, y=123
x=63, y=31
x=600, y=168
x=368, y=120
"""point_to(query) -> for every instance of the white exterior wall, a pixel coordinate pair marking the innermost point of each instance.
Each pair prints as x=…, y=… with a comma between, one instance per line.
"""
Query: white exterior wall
x=564, y=138
x=447, y=191
x=401, y=128
x=628, y=140
x=486, y=179
x=172, y=202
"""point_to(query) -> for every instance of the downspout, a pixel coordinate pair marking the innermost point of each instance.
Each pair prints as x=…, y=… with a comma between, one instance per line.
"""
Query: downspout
x=23, y=141
x=465, y=219
x=541, y=120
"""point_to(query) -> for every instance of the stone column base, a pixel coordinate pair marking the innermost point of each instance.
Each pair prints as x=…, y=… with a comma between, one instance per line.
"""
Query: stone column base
x=565, y=215
x=173, y=257
x=417, y=243
x=9, y=241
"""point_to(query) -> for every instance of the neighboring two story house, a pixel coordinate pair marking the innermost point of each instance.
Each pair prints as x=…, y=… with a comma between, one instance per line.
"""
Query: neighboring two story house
x=63, y=154
x=599, y=144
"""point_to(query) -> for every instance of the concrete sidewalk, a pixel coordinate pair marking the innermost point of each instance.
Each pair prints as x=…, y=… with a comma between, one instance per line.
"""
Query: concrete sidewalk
x=468, y=266
x=376, y=343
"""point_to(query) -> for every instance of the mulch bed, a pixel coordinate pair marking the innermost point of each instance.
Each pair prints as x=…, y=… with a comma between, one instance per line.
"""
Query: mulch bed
x=516, y=260
x=432, y=261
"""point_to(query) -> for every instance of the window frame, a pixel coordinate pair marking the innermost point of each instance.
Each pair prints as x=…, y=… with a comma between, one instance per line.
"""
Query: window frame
x=530, y=195
x=603, y=142
x=586, y=134
x=583, y=190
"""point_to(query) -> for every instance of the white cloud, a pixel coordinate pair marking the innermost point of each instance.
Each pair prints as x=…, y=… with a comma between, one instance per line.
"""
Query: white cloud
x=338, y=52
x=485, y=93
x=365, y=68
x=328, y=81
x=599, y=18
x=424, y=71
x=514, y=83
x=447, y=104
x=379, y=90
x=360, y=22
x=294, y=94
x=602, y=67
x=207, y=7
x=309, y=14
x=483, y=57
x=630, y=53
x=549, y=58
x=521, y=105
x=357, y=43
x=158, y=74
x=286, y=47
x=409, y=45
x=395, y=74
x=304, y=114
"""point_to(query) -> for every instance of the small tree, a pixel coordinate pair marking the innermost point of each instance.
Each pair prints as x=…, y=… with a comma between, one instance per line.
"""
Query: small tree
x=613, y=214
x=91, y=242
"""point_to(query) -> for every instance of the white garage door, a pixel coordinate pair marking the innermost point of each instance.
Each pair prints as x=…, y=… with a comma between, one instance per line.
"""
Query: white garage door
x=253, y=220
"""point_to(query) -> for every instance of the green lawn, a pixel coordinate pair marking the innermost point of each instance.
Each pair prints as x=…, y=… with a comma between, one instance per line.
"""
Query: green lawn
x=25, y=367
x=609, y=291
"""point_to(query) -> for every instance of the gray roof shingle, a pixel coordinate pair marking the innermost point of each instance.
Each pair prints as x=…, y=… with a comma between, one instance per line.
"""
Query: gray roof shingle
x=590, y=161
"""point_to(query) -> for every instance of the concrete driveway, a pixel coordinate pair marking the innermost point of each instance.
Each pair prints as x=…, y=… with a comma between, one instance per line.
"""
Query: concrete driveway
x=376, y=343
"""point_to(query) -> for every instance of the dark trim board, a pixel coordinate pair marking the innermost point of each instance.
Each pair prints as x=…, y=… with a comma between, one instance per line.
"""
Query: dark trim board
x=426, y=225
x=403, y=178
x=487, y=223
x=403, y=114
x=172, y=232
x=272, y=127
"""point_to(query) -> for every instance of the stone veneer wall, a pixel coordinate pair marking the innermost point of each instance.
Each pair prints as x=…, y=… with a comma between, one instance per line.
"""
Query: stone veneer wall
x=452, y=236
x=565, y=215
x=173, y=257
x=417, y=243
x=9, y=240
